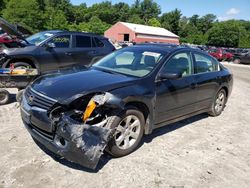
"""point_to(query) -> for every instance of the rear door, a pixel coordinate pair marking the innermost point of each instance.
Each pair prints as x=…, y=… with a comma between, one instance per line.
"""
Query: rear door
x=100, y=49
x=207, y=77
x=83, y=50
x=175, y=98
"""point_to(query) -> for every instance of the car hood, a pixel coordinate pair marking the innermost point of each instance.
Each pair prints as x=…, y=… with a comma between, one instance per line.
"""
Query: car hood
x=12, y=30
x=21, y=51
x=64, y=86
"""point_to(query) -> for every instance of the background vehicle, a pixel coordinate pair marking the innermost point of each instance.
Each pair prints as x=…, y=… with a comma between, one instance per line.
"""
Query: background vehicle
x=242, y=58
x=220, y=54
x=11, y=40
x=133, y=91
x=53, y=50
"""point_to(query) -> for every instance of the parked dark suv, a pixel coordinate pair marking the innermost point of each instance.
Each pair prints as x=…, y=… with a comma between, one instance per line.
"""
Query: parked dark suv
x=56, y=49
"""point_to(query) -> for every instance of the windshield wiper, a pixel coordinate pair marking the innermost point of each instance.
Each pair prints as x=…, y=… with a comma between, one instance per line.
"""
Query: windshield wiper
x=106, y=70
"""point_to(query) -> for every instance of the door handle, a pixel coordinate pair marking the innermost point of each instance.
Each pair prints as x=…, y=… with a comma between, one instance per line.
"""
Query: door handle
x=94, y=52
x=68, y=53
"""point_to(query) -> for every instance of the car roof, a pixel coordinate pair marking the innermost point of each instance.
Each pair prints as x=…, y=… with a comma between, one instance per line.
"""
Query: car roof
x=79, y=33
x=165, y=47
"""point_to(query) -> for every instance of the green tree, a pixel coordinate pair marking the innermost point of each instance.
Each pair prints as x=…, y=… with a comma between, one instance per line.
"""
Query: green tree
x=224, y=34
x=104, y=11
x=154, y=22
x=55, y=19
x=136, y=19
x=2, y=6
x=193, y=20
x=61, y=5
x=97, y=26
x=41, y=4
x=149, y=9
x=24, y=12
x=79, y=13
x=171, y=21
x=123, y=11
x=206, y=22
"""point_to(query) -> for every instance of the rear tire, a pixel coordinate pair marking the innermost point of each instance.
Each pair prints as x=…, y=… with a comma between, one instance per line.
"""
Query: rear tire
x=219, y=103
x=4, y=96
x=129, y=131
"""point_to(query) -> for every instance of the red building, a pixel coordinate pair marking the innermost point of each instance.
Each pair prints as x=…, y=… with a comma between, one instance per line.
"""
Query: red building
x=123, y=31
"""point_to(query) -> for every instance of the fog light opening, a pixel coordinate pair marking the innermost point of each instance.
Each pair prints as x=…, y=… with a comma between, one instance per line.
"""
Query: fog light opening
x=61, y=142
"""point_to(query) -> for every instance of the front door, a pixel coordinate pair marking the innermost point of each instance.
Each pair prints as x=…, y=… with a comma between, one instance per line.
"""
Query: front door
x=58, y=55
x=176, y=97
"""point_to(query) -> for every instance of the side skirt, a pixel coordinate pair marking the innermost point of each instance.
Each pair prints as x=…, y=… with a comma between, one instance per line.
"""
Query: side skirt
x=180, y=118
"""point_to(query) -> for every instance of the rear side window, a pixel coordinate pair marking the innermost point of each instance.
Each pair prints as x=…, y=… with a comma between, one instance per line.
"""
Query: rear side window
x=83, y=41
x=204, y=64
x=98, y=43
x=180, y=62
x=61, y=41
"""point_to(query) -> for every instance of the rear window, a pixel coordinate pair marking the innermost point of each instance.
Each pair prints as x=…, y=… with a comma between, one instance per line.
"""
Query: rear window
x=98, y=43
x=83, y=42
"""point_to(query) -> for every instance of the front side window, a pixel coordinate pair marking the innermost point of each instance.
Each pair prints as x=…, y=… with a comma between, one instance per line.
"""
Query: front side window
x=61, y=41
x=83, y=41
x=135, y=62
x=204, y=64
x=179, y=63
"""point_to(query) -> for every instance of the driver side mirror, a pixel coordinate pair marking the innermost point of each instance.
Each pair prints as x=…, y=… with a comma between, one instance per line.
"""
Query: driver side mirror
x=50, y=45
x=169, y=76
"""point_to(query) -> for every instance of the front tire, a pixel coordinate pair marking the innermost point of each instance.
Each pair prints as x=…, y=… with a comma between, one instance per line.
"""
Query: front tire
x=218, y=103
x=129, y=127
x=21, y=65
x=4, y=96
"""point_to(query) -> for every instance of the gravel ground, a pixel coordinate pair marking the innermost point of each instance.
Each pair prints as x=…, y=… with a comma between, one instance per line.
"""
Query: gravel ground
x=199, y=152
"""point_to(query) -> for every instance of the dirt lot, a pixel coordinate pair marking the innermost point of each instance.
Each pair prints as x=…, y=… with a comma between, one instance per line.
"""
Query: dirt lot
x=199, y=152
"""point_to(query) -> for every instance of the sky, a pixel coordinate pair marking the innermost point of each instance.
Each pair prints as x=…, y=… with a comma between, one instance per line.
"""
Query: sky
x=223, y=9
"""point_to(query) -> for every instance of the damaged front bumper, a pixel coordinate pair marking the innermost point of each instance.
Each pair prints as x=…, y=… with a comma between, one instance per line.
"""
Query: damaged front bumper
x=77, y=142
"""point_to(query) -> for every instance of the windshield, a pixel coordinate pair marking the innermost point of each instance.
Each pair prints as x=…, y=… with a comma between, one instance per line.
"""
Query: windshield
x=130, y=61
x=39, y=37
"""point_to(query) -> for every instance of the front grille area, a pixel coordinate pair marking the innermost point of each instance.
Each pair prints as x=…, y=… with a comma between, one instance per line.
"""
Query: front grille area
x=46, y=134
x=36, y=99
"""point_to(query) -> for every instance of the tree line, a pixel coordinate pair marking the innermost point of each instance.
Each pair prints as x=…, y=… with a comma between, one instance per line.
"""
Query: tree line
x=39, y=15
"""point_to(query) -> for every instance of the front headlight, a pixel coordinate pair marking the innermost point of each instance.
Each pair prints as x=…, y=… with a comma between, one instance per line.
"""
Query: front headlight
x=97, y=100
x=89, y=110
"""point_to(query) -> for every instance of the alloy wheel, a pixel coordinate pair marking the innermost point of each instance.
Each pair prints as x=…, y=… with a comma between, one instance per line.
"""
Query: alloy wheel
x=127, y=132
x=220, y=101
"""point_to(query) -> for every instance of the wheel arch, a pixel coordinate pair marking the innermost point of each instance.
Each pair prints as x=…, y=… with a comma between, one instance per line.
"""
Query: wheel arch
x=28, y=60
x=226, y=89
x=143, y=107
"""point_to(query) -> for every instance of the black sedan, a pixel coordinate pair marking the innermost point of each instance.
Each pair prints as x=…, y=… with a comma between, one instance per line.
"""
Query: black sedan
x=125, y=95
